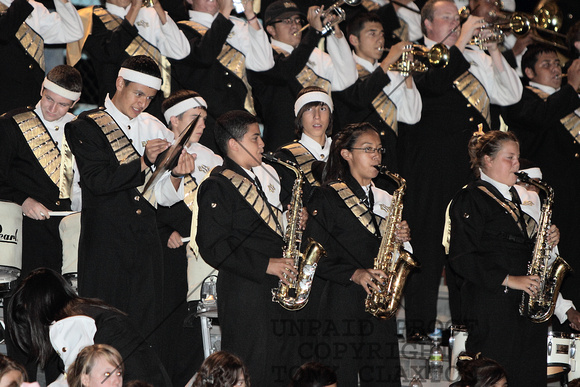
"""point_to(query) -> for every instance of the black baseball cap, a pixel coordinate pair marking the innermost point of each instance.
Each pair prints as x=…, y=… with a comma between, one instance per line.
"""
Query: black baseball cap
x=281, y=9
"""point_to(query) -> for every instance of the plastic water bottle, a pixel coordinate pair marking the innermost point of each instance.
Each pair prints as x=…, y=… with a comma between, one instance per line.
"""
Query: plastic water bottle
x=436, y=357
x=416, y=382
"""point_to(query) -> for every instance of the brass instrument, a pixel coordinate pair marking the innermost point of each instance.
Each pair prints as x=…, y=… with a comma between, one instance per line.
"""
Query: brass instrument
x=540, y=308
x=423, y=58
x=337, y=13
x=496, y=36
x=295, y=297
x=391, y=258
x=148, y=3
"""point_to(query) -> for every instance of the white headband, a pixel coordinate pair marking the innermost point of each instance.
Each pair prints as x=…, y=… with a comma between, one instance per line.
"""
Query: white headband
x=314, y=96
x=184, y=106
x=533, y=173
x=65, y=93
x=139, y=77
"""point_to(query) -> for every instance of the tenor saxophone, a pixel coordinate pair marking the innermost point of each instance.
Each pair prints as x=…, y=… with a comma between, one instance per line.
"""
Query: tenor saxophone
x=391, y=258
x=540, y=308
x=295, y=296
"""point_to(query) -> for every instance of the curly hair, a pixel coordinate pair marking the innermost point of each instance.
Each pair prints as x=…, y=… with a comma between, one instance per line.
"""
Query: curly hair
x=221, y=369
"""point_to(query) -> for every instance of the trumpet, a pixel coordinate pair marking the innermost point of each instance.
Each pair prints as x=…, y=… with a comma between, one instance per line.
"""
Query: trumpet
x=338, y=16
x=496, y=36
x=423, y=58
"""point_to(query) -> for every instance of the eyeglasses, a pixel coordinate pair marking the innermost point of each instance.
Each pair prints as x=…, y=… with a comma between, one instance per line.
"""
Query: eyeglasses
x=290, y=21
x=369, y=149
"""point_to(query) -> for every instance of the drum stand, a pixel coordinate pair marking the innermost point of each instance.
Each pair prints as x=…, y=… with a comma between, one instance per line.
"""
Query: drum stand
x=210, y=332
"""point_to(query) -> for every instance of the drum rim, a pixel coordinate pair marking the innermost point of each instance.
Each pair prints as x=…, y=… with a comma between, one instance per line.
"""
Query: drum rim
x=559, y=335
x=565, y=369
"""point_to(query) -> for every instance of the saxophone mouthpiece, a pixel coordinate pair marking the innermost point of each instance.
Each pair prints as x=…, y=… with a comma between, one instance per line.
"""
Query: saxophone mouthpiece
x=380, y=168
x=522, y=176
x=270, y=157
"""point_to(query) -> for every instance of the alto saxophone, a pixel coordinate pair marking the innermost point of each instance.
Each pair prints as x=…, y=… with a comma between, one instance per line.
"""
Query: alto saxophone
x=540, y=308
x=295, y=296
x=391, y=258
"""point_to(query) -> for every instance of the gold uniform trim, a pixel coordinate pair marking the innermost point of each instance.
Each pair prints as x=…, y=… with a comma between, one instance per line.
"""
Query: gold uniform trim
x=41, y=144
x=513, y=211
x=124, y=150
x=571, y=122
x=66, y=170
x=304, y=159
x=139, y=46
x=189, y=188
x=358, y=209
x=307, y=77
x=475, y=93
x=233, y=60
x=370, y=5
x=383, y=105
x=271, y=215
x=30, y=40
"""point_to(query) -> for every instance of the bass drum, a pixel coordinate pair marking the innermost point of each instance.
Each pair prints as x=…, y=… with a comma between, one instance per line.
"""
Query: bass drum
x=574, y=360
x=559, y=349
x=10, y=245
x=457, y=341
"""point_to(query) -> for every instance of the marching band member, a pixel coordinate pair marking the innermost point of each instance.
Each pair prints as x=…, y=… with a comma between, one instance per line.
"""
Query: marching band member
x=491, y=243
x=456, y=99
x=313, y=110
x=174, y=224
x=31, y=139
x=546, y=121
x=124, y=28
x=346, y=214
x=241, y=234
x=120, y=255
x=299, y=64
x=379, y=96
x=25, y=27
x=223, y=48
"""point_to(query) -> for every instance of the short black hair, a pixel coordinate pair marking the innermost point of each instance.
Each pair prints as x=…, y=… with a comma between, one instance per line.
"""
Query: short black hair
x=233, y=124
x=356, y=25
x=572, y=37
x=177, y=97
x=143, y=64
x=66, y=77
x=530, y=58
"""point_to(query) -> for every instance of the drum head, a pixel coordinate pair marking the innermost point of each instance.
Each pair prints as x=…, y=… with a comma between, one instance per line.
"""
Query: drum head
x=557, y=369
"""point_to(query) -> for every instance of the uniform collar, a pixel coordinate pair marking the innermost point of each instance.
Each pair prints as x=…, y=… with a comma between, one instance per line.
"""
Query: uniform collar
x=370, y=67
x=504, y=189
x=284, y=46
x=546, y=89
x=319, y=152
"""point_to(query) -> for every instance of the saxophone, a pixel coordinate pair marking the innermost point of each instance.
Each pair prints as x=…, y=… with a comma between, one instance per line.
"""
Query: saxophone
x=539, y=308
x=391, y=258
x=295, y=296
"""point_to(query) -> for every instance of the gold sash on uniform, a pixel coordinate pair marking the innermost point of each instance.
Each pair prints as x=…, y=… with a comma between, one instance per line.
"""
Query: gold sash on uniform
x=189, y=188
x=139, y=46
x=30, y=40
x=124, y=150
x=384, y=106
x=271, y=215
x=307, y=76
x=232, y=59
x=475, y=93
x=358, y=209
x=304, y=159
x=571, y=122
x=58, y=169
x=514, y=211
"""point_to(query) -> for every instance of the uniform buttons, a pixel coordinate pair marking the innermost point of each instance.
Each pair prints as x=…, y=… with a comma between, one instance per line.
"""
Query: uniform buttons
x=470, y=119
x=229, y=85
x=576, y=155
x=56, y=128
x=136, y=198
x=30, y=66
x=468, y=105
x=138, y=212
x=226, y=73
x=128, y=127
x=57, y=203
x=383, y=133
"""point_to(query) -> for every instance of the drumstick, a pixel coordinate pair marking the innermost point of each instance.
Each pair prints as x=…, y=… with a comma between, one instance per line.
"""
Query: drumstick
x=185, y=239
x=62, y=213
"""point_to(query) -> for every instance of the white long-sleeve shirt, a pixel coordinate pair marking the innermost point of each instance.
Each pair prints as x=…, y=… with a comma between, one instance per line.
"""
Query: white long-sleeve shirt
x=254, y=44
x=337, y=66
x=503, y=87
x=407, y=101
x=63, y=26
x=139, y=130
x=167, y=37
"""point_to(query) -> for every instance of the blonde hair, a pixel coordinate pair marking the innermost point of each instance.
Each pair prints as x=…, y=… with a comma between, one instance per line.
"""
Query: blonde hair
x=487, y=144
x=86, y=359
